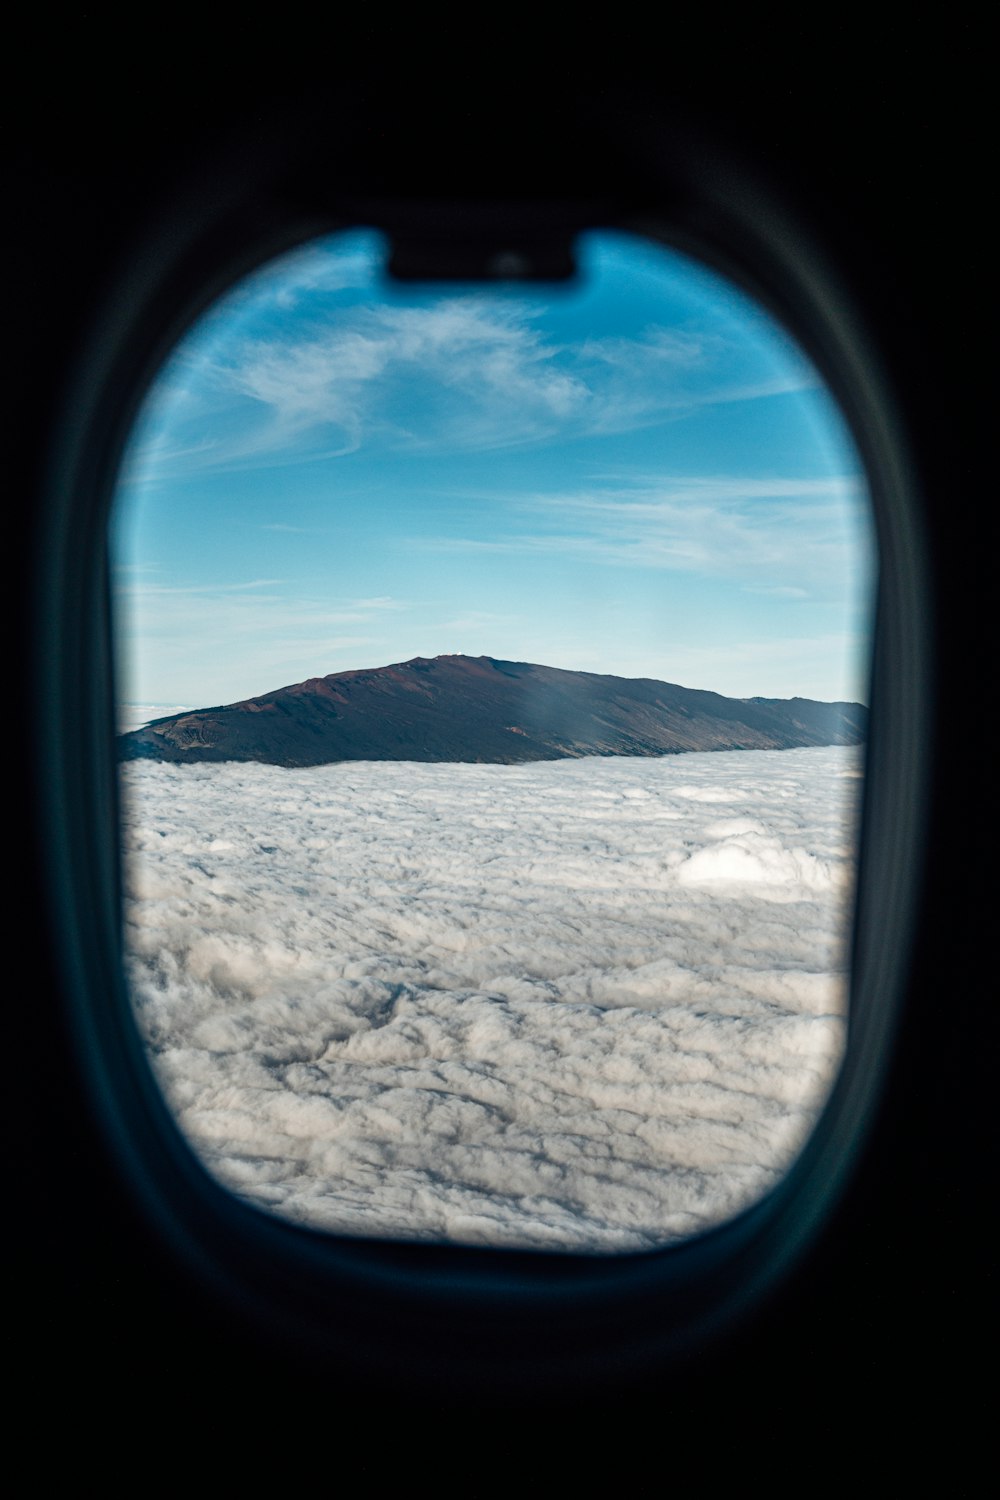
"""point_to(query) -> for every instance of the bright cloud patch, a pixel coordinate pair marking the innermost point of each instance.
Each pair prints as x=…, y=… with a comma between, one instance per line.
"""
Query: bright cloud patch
x=590, y=1004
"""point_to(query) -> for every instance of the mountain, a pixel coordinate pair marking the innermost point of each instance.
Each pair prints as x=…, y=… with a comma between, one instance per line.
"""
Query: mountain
x=473, y=708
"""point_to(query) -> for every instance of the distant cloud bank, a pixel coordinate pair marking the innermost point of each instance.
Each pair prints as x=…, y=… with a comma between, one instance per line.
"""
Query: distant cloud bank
x=138, y=715
x=591, y=1004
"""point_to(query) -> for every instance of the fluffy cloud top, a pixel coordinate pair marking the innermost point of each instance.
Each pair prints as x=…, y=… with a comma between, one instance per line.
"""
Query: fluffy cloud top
x=590, y=1004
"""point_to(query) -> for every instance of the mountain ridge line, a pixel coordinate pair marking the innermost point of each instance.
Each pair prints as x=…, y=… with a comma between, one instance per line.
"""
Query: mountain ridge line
x=485, y=710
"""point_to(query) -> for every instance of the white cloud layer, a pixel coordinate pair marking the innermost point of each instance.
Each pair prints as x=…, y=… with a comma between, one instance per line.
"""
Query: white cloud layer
x=591, y=1004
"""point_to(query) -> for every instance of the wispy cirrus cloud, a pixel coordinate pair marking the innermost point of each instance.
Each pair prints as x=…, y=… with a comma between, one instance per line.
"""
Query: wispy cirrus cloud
x=587, y=480
x=485, y=376
x=255, y=635
x=463, y=373
x=306, y=276
x=757, y=529
x=207, y=598
x=252, y=585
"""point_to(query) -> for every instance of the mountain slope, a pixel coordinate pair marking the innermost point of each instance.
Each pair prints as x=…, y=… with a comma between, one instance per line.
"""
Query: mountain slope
x=464, y=708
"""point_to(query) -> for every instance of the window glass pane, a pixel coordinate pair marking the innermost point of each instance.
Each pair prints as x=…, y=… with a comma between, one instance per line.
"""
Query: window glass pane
x=450, y=914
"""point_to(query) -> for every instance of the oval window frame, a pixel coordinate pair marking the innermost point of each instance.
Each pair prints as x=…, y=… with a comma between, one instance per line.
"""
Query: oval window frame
x=326, y=1293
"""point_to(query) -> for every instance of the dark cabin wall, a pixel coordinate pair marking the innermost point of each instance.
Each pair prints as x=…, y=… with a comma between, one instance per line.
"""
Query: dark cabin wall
x=877, y=149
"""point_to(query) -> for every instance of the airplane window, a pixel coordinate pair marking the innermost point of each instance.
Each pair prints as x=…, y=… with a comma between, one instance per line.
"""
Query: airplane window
x=492, y=666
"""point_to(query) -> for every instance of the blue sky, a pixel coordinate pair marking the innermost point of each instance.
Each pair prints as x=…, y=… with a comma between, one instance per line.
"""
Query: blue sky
x=640, y=474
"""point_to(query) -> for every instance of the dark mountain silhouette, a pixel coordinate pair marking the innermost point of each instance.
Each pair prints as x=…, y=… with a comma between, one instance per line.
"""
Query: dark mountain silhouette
x=473, y=708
